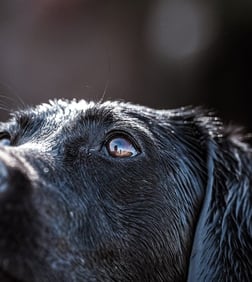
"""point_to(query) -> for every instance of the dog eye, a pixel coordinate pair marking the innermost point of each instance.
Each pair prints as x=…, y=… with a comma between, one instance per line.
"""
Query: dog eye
x=5, y=139
x=121, y=146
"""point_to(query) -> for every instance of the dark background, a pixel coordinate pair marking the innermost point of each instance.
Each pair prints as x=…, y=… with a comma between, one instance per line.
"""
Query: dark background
x=158, y=53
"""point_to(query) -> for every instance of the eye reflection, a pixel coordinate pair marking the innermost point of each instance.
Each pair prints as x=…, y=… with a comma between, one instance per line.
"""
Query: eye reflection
x=121, y=147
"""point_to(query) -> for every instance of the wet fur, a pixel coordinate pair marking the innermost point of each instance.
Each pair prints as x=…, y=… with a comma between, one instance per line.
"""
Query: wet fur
x=179, y=210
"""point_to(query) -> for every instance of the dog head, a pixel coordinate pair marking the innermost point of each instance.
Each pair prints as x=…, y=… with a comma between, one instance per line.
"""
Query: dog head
x=117, y=192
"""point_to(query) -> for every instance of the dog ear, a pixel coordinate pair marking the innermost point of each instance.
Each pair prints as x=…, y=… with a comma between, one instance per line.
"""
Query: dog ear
x=222, y=244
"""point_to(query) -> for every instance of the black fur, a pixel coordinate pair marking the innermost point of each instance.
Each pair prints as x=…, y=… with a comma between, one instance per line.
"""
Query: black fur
x=177, y=209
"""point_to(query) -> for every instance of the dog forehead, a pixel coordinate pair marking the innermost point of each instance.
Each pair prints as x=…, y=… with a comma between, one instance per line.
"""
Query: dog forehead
x=62, y=111
x=82, y=115
x=59, y=113
x=68, y=113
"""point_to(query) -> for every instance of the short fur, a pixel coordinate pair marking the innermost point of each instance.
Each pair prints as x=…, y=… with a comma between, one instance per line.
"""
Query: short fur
x=178, y=210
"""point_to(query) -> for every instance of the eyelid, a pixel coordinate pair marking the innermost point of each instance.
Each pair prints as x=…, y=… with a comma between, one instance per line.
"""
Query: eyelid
x=5, y=135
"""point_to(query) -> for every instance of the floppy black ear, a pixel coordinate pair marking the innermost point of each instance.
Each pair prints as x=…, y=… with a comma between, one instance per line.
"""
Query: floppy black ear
x=222, y=247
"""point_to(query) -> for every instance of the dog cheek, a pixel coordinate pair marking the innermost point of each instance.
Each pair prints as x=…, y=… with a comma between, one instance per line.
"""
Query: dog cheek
x=137, y=210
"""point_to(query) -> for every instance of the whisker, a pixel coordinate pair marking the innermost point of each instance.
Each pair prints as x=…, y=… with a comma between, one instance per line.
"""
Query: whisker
x=10, y=97
x=107, y=81
x=104, y=92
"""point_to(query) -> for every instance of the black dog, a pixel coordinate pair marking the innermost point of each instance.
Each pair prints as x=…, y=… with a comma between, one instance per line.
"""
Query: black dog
x=117, y=192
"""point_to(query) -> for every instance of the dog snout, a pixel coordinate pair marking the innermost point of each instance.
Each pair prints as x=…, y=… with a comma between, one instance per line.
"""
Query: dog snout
x=14, y=184
x=16, y=205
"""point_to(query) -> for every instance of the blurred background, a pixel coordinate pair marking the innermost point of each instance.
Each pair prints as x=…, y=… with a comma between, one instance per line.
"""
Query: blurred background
x=160, y=53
